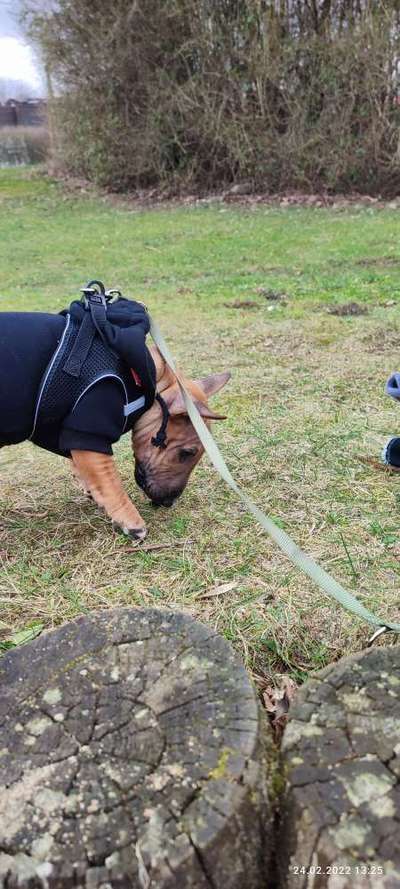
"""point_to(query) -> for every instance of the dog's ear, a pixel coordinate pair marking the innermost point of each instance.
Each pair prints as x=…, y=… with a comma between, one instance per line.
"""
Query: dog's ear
x=177, y=408
x=212, y=384
x=207, y=413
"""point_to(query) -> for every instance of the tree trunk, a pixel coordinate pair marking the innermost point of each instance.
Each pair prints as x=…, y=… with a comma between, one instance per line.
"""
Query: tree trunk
x=341, y=758
x=132, y=754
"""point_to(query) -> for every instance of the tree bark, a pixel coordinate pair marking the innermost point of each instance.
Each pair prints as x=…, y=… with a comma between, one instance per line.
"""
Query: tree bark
x=132, y=754
x=341, y=758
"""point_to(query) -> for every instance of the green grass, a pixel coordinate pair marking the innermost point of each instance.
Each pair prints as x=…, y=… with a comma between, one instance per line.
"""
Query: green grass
x=305, y=402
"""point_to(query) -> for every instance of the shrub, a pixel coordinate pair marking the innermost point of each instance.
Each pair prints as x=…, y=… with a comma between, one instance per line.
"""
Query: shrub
x=202, y=93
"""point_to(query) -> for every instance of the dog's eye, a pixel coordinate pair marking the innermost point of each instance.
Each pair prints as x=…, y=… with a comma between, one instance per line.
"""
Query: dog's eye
x=186, y=454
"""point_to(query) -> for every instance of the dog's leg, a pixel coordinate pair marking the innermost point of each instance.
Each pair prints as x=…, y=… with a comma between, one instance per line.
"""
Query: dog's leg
x=79, y=480
x=99, y=475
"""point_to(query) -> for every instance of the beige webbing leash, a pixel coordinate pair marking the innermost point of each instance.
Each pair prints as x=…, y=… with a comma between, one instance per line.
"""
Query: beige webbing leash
x=306, y=564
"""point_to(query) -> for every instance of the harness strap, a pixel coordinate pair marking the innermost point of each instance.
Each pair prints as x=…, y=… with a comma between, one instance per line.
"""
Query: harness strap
x=160, y=440
x=98, y=315
x=80, y=350
x=95, y=319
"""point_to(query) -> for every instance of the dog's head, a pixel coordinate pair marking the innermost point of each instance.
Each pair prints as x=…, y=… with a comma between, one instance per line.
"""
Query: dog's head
x=163, y=473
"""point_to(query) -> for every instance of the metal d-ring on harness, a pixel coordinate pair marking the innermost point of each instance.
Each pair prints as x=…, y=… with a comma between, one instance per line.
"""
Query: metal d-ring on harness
x=96, y=299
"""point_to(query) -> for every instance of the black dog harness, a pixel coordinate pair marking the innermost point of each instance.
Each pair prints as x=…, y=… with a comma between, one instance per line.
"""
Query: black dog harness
x=104, y=338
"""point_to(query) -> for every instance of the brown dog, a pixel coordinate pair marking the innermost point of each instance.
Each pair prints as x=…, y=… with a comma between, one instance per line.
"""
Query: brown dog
x=162, y=474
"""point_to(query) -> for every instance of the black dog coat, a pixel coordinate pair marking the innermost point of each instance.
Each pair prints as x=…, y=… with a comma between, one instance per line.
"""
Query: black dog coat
x=46, y=396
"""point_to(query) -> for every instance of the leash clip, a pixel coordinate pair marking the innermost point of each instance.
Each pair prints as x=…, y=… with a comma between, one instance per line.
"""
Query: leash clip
x=94, y=294
x=379, y=632
x=112, y=295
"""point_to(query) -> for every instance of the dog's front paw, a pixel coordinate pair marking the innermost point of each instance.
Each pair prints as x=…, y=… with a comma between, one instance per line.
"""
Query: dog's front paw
x=137, y=534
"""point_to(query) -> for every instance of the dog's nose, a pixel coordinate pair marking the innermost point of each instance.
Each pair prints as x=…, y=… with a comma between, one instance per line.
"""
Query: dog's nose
x=167, y=499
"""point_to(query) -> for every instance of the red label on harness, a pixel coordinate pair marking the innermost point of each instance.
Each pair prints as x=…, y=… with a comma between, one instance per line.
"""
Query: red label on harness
x=136, y=377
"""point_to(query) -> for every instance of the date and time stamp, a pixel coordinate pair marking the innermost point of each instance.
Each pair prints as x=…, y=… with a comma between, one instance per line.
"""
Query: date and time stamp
x=366, y=870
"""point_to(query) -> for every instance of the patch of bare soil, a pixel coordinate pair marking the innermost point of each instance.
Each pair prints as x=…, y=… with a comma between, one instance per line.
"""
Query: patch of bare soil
x=240, y=193
x=378, y=261
x=271, y=295
x=242, y=304
x=348, y=309
x=382, y=340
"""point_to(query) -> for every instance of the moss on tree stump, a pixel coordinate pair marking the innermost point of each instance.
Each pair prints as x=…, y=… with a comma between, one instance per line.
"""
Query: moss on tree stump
x=341, y=754
x=131, y=755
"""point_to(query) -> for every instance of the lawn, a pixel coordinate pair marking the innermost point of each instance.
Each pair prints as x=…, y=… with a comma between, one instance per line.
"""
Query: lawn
x=305, y=405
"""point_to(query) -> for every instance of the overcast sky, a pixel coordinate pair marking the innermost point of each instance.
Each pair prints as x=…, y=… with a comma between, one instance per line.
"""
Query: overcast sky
x=17, y=61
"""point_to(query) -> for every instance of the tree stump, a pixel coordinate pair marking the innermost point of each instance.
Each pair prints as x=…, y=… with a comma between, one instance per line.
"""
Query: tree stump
x=341, y=754
x=131, y=755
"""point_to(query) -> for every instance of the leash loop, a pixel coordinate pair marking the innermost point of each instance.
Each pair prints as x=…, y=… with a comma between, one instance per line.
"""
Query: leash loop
x=300, y=559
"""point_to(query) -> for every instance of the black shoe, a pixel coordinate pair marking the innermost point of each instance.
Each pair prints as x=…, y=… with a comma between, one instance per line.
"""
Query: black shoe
x=391, y=453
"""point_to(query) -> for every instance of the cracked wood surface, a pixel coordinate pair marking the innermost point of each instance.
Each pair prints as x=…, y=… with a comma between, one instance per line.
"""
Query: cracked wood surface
x=341, y=757
x=131, y=755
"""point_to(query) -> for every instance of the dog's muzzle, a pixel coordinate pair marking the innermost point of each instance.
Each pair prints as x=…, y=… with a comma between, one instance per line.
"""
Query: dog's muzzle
x=157, y=499
x=164, y=501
